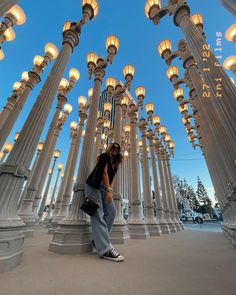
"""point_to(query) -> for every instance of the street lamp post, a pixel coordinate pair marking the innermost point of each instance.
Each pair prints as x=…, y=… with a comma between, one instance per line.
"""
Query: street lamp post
x=52, y=200
x=12, y=99
x=45, y=195
x=213, y=130
x=73, y=134
x=32, y=78
x=120, y=231
x=22, y=197
x=15, y=170
x=215, y=77
x=74, y=231
x=61, y=121
x=6, y=149
x=137, y=226
x=28, y=211
x=64, y=198
x=159, y=208
x=150, y=219
x=15, y=16
x=98, y=136
x=165, y=225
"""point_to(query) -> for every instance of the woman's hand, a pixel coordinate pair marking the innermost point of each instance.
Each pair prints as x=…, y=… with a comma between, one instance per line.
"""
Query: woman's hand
x=108, y=197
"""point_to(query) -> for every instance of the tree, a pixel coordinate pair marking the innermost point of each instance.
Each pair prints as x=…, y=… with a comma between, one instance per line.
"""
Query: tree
x=192, y=198
x=186, y=196
x=203, y=197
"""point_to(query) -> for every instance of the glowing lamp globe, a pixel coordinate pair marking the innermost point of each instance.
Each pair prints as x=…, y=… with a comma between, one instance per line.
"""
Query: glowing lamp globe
x=38, y=59
x=93, y=4
x=40, y=146
x=107, y=106
x=171, y=72
x=112, y=41
x=110, y=82
x=9, y=34
x=60, y=166
x=92, y=58
x=128, y=71
x=74, y=125
x=51, y=49
x=25, y=76
x=56, y=153
x=149, y=4
x=82, y=100
x=165, y=45
x=140, y=91
x=230, y=34
x=74, y=74
x=18, y=14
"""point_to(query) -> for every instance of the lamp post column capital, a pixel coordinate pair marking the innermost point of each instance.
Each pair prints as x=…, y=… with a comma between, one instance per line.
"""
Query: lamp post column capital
x=71, y=37
x=99, y=73
x=179, y=11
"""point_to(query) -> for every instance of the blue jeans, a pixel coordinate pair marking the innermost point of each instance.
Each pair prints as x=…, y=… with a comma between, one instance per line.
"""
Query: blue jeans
x=102, y=220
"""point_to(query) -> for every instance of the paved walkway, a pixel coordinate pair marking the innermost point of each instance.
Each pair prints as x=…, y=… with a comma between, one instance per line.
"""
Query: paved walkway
x=185, y=263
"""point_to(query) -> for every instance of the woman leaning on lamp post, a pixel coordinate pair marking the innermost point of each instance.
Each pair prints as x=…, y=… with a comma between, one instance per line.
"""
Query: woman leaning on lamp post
x=99, y=186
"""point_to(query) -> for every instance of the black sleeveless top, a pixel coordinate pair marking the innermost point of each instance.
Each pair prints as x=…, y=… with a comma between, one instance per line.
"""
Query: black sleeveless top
x=95, y=177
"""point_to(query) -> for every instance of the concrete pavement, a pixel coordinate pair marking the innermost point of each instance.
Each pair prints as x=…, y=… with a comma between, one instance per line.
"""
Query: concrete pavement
x=185, y=263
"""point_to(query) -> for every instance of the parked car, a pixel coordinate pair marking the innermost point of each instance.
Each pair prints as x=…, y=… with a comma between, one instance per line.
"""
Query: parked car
x=190, y=215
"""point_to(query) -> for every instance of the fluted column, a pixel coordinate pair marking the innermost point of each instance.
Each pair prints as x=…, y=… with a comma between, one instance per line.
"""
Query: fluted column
x=75, y=226
x=16, y=169
x=22, y=197
x=119, y=232
x=159, y=208
x=165, y=228
x=45, y=195
x=212, y=71
x=64, y=199
x=230, y=5
x=5, y=130
x=23, y=93
x=179, y=224
x=137, y=226
x=52, y=200
x=150, y=219
x=65, y=177
x=26, y=211
x=212, y=134
x=47, y=161
x=11, y=101
x=215, y=130
x=169, y=193
x=98, y=138
x=5, y=5
x=129, y=182
x=171, y=221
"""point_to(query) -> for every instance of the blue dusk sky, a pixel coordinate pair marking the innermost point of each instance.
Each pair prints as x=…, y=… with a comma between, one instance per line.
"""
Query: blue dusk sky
x=138, y=43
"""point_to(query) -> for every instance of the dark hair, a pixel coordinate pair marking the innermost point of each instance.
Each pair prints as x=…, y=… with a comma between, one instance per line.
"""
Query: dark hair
x=117, y=159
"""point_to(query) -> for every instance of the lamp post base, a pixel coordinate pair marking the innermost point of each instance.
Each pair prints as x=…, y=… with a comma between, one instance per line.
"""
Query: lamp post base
x=71, y=237
x=153, y=228
x=11, y=249
x=138, y=230
x=164, y=228
x=119, y=233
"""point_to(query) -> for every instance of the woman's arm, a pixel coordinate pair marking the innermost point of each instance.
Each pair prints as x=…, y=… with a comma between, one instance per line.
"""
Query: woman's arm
x=106, y=183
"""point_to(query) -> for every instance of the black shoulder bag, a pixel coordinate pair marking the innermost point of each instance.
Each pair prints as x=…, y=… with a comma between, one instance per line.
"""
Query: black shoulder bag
x=89, y=205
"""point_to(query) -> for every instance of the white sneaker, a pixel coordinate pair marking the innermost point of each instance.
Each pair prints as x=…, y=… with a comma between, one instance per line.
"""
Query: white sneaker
x=113, y=255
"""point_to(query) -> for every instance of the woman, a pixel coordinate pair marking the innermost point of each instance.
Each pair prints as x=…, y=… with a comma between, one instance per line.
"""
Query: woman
x=99, y=185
